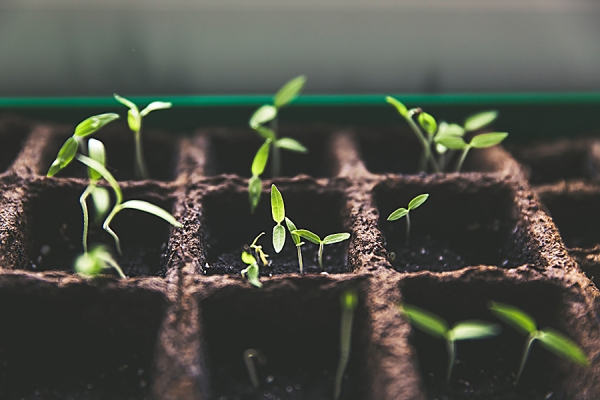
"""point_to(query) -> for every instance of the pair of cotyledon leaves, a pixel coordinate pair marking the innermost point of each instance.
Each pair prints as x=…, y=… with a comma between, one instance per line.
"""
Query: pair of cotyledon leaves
x=414, y=203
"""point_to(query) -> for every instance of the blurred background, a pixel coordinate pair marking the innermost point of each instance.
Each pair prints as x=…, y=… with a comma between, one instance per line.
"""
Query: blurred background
x=156, y=47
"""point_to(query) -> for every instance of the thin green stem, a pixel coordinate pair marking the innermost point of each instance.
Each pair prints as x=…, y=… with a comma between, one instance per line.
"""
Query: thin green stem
x=407, y=229
x=321, y=255
x=300, y=257
x=249, y=354
x=106, y=227
x=451, y=347
x=113, y=264
x=345, y=341
x=86, y=216
x=426, y=147
x=462, y=159
x=141, y=171
x=526, y=349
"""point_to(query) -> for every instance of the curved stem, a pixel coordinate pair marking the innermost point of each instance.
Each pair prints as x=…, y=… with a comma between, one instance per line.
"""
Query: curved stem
x=86, y=216
x=451, y=347
x=321, y=255
x=426, y=148
x=462, y=159
x=249, y=354
x=300, y=257
x=141, y=171
x=528, y=343
x=106, y=227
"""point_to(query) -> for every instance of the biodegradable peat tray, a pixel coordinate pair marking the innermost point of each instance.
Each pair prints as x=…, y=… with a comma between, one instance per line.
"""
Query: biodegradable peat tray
x=177, y=327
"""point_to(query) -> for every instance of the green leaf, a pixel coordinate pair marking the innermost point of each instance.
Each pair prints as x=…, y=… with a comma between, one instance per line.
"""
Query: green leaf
x=451, y=142
x=101, y=201
x=417, y=201
x=254, y=191
x=474, y=330
x=336, y=238
x=155, y=105
x=248, y=258
x=96, y=152
x=427, y=122
x=488, y=139
x=88, y=265
x=264, y=114
x=92, y=124
x=134, y=120
x=260, y=159
x=480, y=120
x=513, y=316
x=252, y=273
x=308, y=235
x=105, y=174
x=127, y=103
x=289, y=91
x=562, y=346
x=399, y=106
x=291, y=144
x=277, y=206
x=151, y=209
x=278, y=237
x=65, y=156
x=292, y=227
x=265, y=132
x=446, y=129
x=399, y=213
x=426, y=321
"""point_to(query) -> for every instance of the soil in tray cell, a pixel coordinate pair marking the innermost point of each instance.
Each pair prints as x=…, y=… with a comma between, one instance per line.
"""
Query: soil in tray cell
x=229, y=227
x=453, y=229
x=297, y=330
x=54, y=224
x=13, y=133
x=77, y=342
x=487, y=368
x=232, y=152
x=159, y=153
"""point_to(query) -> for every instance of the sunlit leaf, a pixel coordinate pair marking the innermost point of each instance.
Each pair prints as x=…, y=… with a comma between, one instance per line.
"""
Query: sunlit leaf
x=417, y=201
x=399, y=106
x=252, y=273
x=562, y=346
x=427, y=122
x=254, y=191
x=289, y=91
x=292, y=227
x=474, y=330
x=480, y=120
x=308, y=235
x=155, y=105
x=336, y=238
x=451, y=142
x=92, y=124
x=134, y=119
x=425, y=320
x=248, y=258
x=399, y=213
x=291, y=144
x=277, y=206
x=278, y=237
x=101, y=202
x=105, y=174
x=446, y=129
x=65, y=156
x=96, y=152
x=127, y=103
x=513, y=316
x=264, y=114
x=260, y=159
x=151, y=209
x=488, y=139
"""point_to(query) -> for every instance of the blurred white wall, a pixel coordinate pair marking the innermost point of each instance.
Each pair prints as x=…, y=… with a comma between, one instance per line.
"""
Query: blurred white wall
x=137, y=47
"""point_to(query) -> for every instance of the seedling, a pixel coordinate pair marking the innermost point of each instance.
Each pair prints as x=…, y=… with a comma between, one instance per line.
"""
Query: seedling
x=329, y=239
x=250, y=354
x=92, y=263
x=297, y=241
x=552, y=340
x=278, y=212
x=251, y=272
x=134, y=120
x=405, y=212
x=257, y=249
x=348, y=300
x=478, y=142
x=268, y=114
x=437, y=327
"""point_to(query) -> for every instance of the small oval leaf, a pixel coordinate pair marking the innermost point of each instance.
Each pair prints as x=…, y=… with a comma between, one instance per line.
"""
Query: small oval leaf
x=254, y=192
x=562, y=346
x=488, y=140
x=260, y=159
x=150, y=208
x=336, y=238
x=92, y=124
x=155, y=105
x=513, y=316
x=248, y=258
x=277, y=206
x=278, y=237
x=308, y=235
x=473, y=329
x=264, y=114
x=127, y=103
x=289, y=91
x=291, y=144
x=252, y=274
x=451, y=142
x=96, y=152
x=446, y=129
x=418, y=201
x=426, y=321
x=399, y=213
x=480, y=120
x=101, y=202
x=292, y=227
x=399, y=106
x=427, y=122
x=134, y=120
x=65, y=155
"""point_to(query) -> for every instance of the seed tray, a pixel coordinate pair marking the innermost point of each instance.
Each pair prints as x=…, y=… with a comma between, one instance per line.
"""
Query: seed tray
x=177, y=328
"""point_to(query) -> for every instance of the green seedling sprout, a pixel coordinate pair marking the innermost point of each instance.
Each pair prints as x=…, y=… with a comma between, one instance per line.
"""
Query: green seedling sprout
x=437, y=327
x=297, y=241
x=265, y=115
x=134, y=120
x=278, y=212
x=250, y=354
x=92, y=263
x=257, y=249
x=139, y=205
x=348, y=300
x=329, y=239
x=405, y=212
x=251, y=272
x=552, y=340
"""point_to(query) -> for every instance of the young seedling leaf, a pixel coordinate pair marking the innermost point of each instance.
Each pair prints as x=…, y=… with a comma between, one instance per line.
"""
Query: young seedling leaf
x=260, y=159
x=101, y=201
x=466, y=330
x=265, y=132
x=134, y=119
x=65, y=156
x=277, y=206
x=336, y=238
x=427, y=122
x=513, y=316
x=127, y=103
x=96, y=152
x=399, y=106
x=252, y=273
x=92, y=124
x=248, y=258
x=308, y=235
x=105, y=174
x=291, y=144
x=480, y=120
x=254, y=191
x=446, y=129
x=417, y=201
x=428, y=322
x=92, y=263
x=151, y=209
x=264, y=114
x=488, y=140
x=451, y=142
x=155, y=105
x=278, y=237
x=292, y=227
x=289, y=91
x=562, y=346
x=399, y=213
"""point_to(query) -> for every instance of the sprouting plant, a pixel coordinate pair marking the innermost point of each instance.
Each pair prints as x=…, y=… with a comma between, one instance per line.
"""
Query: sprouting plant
x=251, y=272
x=268, y=114
x=552, y=340
x=437, y=327
x=348, y=300
x=250, y=354
x=257, y=249
x=93, y=262
x=297, y=241
x=478, y=142
x=329, y=239
x=278, y=212
x=405, y=212
x=134, y=120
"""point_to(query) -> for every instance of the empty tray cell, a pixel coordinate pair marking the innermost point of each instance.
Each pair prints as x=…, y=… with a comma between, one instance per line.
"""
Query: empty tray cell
x=13, y=133
x=561, y=160
x=487, y=368
x=159, y=148
x=297, y=329
x=54, y=226
x=77, y=342
x=462, y=223
x=229, y=227
x=232, y=152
